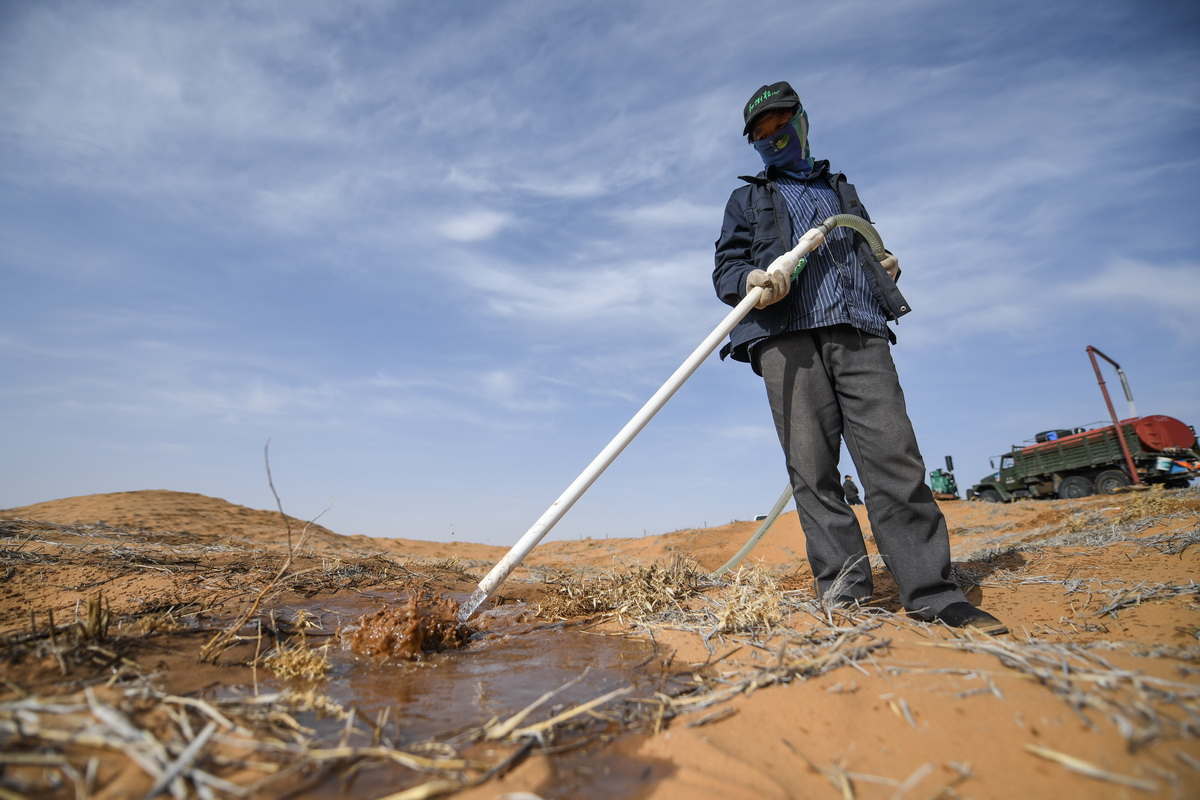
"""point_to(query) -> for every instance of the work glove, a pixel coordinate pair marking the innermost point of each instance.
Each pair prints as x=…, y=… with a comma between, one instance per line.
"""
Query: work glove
x=891, y=265
x=775, y=283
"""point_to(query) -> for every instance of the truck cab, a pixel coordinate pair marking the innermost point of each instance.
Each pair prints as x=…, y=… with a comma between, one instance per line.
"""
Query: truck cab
x=1007, y=483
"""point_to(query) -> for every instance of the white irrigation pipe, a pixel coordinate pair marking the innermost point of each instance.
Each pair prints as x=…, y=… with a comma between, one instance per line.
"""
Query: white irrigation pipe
x=788, y=262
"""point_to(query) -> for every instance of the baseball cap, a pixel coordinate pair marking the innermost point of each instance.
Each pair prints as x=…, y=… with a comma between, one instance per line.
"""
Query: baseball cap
x=777, y=95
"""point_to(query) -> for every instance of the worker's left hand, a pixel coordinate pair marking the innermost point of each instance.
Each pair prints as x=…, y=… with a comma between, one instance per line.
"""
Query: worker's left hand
x=891, y=265
x=774, y=283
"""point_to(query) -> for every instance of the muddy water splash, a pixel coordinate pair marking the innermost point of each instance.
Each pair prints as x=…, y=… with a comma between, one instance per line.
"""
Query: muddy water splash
x=421, y=625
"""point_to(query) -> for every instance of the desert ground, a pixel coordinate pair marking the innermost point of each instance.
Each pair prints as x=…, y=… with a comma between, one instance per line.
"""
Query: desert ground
x=160, y=643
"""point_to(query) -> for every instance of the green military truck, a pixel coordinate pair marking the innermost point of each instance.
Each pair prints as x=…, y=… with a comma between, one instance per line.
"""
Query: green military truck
x=1080, y=462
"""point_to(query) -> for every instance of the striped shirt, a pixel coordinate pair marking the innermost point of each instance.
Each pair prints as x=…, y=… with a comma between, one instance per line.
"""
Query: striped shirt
x=833, y=288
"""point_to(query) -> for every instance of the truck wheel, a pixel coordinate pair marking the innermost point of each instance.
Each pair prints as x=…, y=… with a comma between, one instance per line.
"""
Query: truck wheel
x=1110, y=481
x=1074, y=487
x=989, y=496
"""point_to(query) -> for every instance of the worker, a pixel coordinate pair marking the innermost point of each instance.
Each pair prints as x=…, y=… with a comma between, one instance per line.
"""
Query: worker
x=851, y=490
x=822, y=348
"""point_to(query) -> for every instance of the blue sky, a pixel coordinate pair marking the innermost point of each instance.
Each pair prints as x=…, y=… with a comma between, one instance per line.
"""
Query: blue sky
x=438, y=254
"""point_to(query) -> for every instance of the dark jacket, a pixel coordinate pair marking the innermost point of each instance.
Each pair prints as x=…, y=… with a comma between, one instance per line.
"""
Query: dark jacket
x=756, y=230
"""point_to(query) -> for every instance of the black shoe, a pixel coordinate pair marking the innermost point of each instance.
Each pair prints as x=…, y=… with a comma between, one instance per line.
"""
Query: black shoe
x=965, y=615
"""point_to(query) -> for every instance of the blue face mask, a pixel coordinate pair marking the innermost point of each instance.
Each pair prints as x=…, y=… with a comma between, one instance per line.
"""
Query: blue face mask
x=788, y=148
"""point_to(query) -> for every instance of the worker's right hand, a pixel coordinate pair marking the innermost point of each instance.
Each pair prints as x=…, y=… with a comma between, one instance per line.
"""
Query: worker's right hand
x=891, y=265
x=775, y=285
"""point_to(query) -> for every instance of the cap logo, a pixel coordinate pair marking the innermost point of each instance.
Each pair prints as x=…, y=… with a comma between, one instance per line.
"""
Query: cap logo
x=767, y=95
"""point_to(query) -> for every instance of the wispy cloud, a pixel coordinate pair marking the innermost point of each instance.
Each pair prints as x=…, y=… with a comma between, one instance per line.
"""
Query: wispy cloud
x=402, y=232
x=674, y=213
x=476, y=225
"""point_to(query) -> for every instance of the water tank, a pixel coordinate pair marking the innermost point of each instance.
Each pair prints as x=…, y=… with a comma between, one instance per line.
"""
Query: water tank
x=1159, y=432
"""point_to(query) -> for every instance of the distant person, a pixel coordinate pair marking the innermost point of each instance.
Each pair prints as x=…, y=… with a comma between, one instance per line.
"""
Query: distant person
x=824, y=354
x=852, y=498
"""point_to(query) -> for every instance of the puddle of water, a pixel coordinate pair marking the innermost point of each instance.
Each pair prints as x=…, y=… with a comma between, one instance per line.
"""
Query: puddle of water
x=501, y=670
x=509, y=663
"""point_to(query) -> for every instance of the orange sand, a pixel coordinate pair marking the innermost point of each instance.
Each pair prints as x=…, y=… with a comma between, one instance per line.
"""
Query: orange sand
x=921, y=718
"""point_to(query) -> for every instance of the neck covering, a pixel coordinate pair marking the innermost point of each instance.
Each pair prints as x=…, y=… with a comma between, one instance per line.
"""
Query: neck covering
x=788, y=148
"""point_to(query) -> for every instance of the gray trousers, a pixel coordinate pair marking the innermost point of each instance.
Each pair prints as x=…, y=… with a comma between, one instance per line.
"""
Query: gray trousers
x=835, y=382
